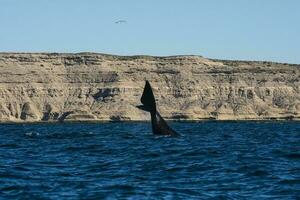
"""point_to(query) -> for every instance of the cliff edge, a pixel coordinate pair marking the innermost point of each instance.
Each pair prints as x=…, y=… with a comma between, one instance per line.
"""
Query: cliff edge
x=89, y=86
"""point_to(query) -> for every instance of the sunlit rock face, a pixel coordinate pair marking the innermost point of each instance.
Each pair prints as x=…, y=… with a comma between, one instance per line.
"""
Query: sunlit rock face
x=88, y=86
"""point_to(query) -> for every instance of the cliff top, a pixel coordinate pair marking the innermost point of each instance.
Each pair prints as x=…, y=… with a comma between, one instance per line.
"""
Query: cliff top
x=145, y=57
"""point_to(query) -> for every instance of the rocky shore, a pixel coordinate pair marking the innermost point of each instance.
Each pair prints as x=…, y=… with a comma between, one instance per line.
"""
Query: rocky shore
x=38, y=87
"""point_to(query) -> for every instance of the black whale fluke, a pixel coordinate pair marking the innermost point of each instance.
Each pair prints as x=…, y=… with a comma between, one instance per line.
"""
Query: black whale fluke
x=159, y=125
x=148, y=99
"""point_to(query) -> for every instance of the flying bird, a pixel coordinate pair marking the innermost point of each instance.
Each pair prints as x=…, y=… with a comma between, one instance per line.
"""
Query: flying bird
x=120, y=21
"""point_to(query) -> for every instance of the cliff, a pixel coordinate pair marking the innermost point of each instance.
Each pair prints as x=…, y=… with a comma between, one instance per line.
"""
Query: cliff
x=90, y=86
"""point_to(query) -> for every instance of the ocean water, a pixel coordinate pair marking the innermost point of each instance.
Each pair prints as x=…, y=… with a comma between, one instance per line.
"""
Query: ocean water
x=211, y=160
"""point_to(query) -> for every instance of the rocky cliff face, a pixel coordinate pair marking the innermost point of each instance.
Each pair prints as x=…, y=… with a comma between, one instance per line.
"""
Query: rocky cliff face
x=88, y=86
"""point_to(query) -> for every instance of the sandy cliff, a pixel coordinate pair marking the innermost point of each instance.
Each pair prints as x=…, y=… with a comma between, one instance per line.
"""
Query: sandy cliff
x=88, y=86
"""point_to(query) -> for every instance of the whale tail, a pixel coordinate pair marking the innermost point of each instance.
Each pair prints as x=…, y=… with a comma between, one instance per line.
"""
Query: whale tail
x=159, y=125
x=148, y=99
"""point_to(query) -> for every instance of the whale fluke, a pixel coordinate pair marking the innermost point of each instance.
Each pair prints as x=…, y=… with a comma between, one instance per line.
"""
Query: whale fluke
x=159, y=125
x=148, y=99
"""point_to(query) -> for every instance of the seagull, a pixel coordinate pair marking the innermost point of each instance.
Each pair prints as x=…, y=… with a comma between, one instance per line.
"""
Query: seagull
x=120, y=21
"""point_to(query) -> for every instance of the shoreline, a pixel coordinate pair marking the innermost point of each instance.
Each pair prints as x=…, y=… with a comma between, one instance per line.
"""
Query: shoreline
x=146, y=121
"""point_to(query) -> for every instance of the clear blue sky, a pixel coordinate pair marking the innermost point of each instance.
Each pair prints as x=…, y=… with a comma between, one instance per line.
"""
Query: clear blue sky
x=225, y=29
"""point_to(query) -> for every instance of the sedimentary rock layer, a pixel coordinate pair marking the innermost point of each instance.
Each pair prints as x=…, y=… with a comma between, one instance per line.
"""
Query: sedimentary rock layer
x=89, y=86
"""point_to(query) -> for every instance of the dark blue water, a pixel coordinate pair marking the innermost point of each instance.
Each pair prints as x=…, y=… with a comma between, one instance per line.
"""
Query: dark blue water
x=212, y=160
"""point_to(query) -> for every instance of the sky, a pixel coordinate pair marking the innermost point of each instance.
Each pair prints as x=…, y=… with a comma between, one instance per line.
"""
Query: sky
x=267, y=30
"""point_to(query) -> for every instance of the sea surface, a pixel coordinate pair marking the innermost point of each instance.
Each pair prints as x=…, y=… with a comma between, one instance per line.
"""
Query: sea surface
x=211, y=160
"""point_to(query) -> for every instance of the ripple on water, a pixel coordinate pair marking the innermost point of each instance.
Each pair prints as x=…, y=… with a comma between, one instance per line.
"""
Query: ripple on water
x=32, y=134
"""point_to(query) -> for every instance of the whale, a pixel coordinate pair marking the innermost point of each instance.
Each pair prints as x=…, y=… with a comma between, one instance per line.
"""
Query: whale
x=159, y=125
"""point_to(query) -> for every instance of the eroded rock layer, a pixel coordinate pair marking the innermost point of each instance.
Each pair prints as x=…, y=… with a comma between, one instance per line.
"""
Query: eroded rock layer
x=89, y=86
